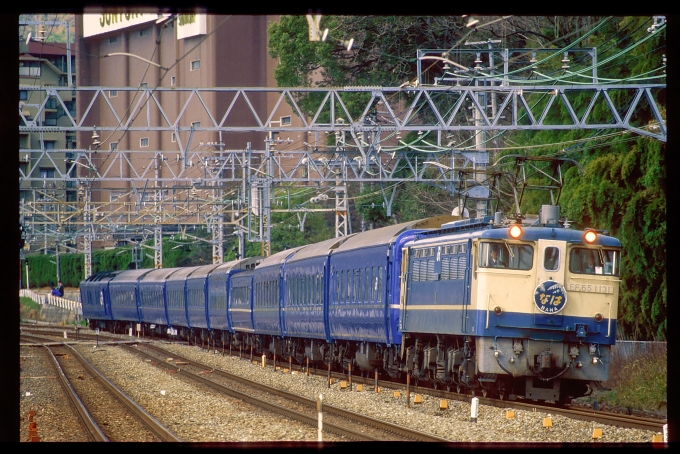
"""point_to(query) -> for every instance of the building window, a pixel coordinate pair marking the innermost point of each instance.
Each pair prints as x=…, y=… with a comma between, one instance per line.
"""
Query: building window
x=49, y=145
x=113, y=146
x=144, y=142
x=196, y=124
x=23, y=95
x=29, y=68
x=113, y=39
x=113, y=93
x=47, y=172
x=285, y=121
x=173, y=80
x=173, y=137
x=144, y=85
x=196, y=65
x=144, y=31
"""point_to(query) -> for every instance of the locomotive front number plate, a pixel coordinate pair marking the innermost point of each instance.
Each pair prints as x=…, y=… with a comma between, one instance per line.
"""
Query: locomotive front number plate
x=550, y=297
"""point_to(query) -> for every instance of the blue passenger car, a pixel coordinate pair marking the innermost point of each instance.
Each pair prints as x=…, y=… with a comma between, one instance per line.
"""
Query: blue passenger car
x=197, y=296
x=152, y=297
x=125, y=295
x=268, y=290
x=305, y=296
x=364, y=298
x=240, y=302
x=219, y=283
x=175, y=290
x=95, y=296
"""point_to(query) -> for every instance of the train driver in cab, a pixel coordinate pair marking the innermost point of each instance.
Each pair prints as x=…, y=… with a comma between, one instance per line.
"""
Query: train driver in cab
x=495, y=260
x=590, y=266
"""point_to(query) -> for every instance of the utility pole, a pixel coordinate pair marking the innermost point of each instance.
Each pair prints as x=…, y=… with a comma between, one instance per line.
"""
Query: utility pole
x=480, y=136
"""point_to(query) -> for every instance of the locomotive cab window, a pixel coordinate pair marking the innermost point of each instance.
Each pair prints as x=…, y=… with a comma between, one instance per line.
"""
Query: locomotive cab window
x=594, y=261
x=505, y=256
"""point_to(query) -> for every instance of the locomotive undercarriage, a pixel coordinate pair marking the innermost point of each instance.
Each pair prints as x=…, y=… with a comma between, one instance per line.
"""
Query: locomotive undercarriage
x=522, y=369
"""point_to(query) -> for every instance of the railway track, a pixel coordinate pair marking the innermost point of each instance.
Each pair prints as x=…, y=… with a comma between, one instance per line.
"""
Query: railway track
x=335, y=420
x=594, y=416
x=105, y=412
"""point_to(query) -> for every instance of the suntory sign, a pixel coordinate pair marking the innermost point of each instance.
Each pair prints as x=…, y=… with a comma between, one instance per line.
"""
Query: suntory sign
x=95, y=24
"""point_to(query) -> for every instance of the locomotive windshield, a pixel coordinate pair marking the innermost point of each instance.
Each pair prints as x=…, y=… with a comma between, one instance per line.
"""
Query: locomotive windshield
x=505, y=255
x=594, y=261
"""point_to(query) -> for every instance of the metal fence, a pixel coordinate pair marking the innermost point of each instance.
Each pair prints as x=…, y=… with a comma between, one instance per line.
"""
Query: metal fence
x=55, y=309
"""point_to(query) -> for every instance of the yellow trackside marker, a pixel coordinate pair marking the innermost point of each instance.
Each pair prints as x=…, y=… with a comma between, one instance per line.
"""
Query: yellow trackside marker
x=397, y=394
x=547, y=422
x=332, y=380
x=360, y=387
x=509, y=414
x=418, y=399
x=443, y=404
x=378, y=390
x=343, y=384
x=285, y=371
x=597, y=433
x=657, y=438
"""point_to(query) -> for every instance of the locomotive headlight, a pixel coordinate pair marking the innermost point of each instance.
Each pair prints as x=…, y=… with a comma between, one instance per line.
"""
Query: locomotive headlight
x=598, y=317
x=515, y=231
x=590, y=236
x=497, y=310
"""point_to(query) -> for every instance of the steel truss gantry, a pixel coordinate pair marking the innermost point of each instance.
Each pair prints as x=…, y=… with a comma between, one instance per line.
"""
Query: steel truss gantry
x=198, y=182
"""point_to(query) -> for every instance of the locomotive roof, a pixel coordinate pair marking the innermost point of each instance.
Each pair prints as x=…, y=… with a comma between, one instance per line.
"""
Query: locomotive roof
x=320, y=249
x=535, y=233
x=530, y=233
x=385, y=235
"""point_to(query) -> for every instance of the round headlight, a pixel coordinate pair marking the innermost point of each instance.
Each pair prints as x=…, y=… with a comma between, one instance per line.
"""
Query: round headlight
x=497, y=310
x=598, y=317
x=590, y=236
x=515, y=231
